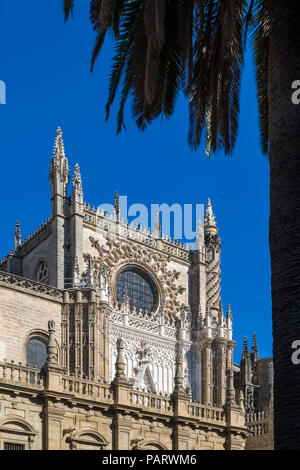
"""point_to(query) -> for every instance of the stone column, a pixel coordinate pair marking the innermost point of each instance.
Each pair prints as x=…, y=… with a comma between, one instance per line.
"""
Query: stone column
x=235, y=419
x=78, y=333
x=206, y=371
x=122, y=388
x=93, y=352
x=180, y=403
x=65, y=324
x=222, y=367
x=53, y=410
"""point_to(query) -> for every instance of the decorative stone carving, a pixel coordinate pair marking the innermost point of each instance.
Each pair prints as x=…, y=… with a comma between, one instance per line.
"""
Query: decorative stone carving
x=52, y=354
x=122, y=252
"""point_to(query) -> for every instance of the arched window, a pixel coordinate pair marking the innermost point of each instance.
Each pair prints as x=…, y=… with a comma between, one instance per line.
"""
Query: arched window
x=140, y=287
x=36, y=352
x=42, y=274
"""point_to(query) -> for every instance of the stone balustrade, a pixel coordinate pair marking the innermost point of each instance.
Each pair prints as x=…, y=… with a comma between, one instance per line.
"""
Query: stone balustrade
x=258, y=423
x=151, y=402
x=206, y=413
x=32, y=286
x=19, y=374
x=83, y=387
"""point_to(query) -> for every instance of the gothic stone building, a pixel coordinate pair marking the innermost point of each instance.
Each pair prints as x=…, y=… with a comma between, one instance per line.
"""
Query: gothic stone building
x=114, y=337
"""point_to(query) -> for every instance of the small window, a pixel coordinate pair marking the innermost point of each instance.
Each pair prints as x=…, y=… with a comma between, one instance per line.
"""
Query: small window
x=13, y=446
x=36, y=352
x=43, y=273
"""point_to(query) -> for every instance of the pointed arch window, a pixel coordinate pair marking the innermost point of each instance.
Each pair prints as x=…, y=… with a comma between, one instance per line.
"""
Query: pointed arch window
x=42, y=273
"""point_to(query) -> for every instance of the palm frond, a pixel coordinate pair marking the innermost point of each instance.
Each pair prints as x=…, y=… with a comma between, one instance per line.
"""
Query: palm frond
x=68, y=8
x=163, y=47
x=260, y=43
x=105, y=15
x=117, y=14
x=130, y=23
x=186, y=43
x=100, y=36
x=200, y=94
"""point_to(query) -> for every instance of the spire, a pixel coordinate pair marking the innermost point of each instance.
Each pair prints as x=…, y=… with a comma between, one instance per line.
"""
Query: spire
x=229, y=312
x=59, y=163
x=59, y=175
x=209, y=218
x=18, y=238
x=213, y=260
x=254, y=345
x=254, y=353
x=117, y=206
x=157, y=226
x=245, y=348
x=221, y=314
x=229, y=322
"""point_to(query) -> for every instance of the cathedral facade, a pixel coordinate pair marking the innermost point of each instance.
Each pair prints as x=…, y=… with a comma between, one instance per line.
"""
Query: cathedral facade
x=113, y=336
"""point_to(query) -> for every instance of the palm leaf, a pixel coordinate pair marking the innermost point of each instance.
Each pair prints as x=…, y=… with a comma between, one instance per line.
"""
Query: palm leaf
x=260, y=42
x=165, y=46
x=68, y=8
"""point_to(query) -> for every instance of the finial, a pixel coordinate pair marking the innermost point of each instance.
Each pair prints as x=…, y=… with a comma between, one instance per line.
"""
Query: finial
x=103, y=275
x=59, y=143
x=229, y=312
x=125, y=300
x=77, y=182
x=209, y=218
x=76, y=273
x=242, y=400
x=157, y=226
x=254, y=351
x=117, y=206
x=221, y=314
x=51, y=346
x=59, y=164
x=120, y=363
x=245, y=347
x=230, y=388
x=89, y=271
x=18, y=238
x=179, y=374
x=161, y=311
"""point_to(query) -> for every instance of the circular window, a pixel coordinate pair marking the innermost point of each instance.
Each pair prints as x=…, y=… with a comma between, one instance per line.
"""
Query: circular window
x=43, y=273
x=141, y=289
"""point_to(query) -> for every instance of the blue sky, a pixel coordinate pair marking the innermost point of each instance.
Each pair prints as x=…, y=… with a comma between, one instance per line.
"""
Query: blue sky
x=45, y=65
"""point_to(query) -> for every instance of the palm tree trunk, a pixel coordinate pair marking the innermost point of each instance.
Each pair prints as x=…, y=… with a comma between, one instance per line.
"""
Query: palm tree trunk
x=284, y=131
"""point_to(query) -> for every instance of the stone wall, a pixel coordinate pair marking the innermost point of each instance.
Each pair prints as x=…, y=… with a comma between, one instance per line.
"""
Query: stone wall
x=21, y=314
